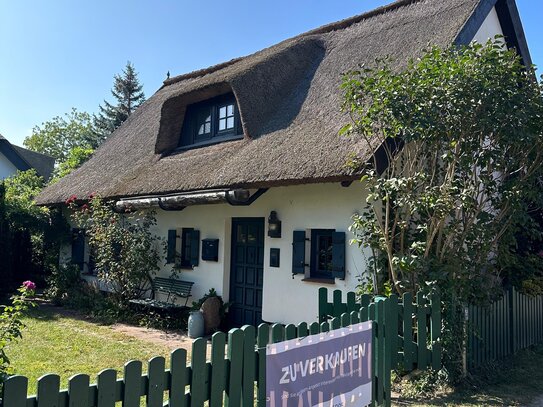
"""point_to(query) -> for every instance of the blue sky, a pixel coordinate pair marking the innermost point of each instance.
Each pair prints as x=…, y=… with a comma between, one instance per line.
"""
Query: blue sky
x=59, y=54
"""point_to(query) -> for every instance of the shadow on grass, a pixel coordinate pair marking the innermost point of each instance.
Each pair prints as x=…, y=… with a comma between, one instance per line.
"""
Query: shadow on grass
x=515, y=381
x=50, y=312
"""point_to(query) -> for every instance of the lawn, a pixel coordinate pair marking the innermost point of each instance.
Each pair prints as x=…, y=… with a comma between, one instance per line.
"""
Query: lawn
x=56, y=342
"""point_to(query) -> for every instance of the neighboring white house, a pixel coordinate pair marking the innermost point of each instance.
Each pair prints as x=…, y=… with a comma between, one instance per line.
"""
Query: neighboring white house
x=14, y=158
x=226, y=152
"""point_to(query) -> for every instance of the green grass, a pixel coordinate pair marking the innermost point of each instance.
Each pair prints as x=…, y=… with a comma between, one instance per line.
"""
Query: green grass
x=517, y=381
x=66, y=345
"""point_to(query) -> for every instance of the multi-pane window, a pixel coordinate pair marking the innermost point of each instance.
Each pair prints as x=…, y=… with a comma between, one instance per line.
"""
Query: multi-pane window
x=226, y=117
x=318, y=254
x=321, y=253
x=210, y=122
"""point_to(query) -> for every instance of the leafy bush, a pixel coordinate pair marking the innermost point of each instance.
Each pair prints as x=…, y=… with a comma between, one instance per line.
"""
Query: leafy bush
x=126, y=250
x=421, y=384
x=11, y=325
x=63, y=284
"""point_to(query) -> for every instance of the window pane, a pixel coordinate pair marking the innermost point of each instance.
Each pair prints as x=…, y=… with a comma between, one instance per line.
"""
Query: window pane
x=230, y=123
x=324, y=247
x=222, y=112
x=204, y=122
x=222, y=124
x=230, y=109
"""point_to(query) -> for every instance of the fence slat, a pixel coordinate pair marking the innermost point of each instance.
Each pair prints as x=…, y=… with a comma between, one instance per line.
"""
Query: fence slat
x=323, y=303
x=345, y=320
x=155, y=373
x=380, y=351
x=199, y=382
x=391, y=334
x=351, y=302
x=421, y=332
x=392, y=323
x=235, y=356
x=408, y=344
x=249, y=375
x=132, y=383
x=106, y=384
x=14, y=391
x=262, y=339
x=338, y=305
x=278, y=333
x=48, y=391
x=435, y=331
x=178, y=378
x=78, y=390
x=290, y=331
x=302, y=330
x=218, y=369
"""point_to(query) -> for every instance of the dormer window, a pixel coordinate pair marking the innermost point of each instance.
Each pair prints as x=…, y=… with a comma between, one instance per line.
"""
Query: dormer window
x=212, y=121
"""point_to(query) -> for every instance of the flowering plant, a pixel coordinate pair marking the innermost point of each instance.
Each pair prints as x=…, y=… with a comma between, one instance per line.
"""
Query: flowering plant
x=11, y=324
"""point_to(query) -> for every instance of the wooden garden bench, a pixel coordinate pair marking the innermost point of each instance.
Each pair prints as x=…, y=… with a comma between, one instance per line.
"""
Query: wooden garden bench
x=170, y=286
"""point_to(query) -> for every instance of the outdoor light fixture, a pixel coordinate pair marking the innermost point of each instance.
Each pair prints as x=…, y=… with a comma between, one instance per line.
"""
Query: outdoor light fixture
x=274, y=225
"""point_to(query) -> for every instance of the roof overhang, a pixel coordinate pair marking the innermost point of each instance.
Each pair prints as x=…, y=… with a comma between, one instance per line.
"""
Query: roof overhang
x=177, y=202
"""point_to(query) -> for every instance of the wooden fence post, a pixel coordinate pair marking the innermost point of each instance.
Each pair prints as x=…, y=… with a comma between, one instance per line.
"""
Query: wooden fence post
x=14, y=391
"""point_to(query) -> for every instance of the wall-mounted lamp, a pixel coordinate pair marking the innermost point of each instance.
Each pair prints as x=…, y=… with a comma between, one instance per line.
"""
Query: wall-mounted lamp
x=274, y=225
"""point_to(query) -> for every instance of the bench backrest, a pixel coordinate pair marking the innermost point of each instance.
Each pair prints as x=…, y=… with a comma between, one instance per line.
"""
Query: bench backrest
x=173, y=286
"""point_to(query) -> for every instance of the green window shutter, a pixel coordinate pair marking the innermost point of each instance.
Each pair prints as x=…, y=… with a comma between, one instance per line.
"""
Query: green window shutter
x=194, y=237
x=78, y=247
x=298, y=252
x=338, y=255
x=172, y=240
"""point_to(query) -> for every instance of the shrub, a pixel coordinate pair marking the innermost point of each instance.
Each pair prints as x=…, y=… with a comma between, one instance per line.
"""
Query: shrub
x=11, y=324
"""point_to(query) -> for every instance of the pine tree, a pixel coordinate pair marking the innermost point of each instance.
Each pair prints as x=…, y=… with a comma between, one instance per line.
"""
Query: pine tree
x=128, y=93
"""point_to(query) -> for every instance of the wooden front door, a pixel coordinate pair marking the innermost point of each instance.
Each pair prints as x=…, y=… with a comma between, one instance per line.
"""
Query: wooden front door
x=246, y=271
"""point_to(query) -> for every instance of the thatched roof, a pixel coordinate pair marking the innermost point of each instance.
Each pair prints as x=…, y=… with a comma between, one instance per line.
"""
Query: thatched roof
x=24, y=159
x=289, y=101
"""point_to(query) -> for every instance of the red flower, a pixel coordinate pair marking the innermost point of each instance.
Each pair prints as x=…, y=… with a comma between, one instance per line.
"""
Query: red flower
x=29, y=285
x=71, y=199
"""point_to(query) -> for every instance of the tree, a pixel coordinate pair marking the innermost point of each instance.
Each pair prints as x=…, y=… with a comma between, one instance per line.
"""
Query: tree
x=461, y=134
x=128, y=95
x=75, y=158
x=58, y=136
x=456, y=174
x=20, y=210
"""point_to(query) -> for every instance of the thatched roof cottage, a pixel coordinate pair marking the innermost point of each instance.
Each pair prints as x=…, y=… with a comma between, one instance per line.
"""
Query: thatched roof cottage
x=231, y=149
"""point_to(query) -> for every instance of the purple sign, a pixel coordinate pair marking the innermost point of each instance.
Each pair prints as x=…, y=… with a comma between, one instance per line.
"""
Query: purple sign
x=331, y=369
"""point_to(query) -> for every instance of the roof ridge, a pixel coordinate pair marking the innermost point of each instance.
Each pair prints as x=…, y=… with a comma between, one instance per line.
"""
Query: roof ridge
x=337, y=25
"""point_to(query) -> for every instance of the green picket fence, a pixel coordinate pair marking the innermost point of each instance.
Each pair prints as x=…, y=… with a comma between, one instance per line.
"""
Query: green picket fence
x=512, y=323
x=234, y=376
x=415, y=326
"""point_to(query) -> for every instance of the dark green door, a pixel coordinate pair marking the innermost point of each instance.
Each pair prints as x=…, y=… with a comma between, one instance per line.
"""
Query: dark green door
x=246, y=271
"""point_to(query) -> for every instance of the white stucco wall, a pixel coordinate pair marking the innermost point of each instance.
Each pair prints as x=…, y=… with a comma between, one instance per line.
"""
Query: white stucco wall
x=285, y=299
x=490, y=28
x=7, y=169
